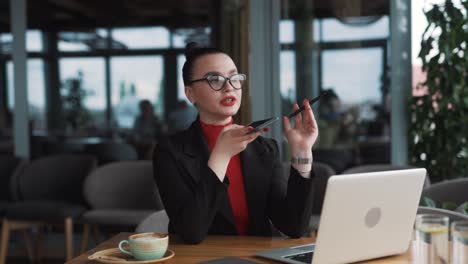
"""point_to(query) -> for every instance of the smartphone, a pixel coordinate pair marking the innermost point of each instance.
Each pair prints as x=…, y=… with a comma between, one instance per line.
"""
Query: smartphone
x=261, y=124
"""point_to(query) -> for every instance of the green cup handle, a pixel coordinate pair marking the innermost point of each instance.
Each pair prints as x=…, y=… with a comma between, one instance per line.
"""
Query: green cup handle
x=122, y=249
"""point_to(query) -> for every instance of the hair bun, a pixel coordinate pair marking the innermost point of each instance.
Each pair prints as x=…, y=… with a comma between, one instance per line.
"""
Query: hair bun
x=190, y=48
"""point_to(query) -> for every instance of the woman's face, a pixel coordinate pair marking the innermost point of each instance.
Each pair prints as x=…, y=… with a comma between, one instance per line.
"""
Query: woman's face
x=214, y=107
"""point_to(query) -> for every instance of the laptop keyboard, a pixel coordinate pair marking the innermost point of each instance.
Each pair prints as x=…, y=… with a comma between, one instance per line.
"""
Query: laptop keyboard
x=303, y=257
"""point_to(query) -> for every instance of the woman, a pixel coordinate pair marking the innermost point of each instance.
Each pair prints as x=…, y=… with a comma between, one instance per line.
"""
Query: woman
x=216, y=177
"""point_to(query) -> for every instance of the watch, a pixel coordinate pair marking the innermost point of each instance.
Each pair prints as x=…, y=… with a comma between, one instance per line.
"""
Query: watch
x=299, y=160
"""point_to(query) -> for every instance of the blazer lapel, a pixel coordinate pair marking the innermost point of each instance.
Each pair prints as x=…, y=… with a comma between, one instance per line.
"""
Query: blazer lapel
x=256, y=181
x=196, y=152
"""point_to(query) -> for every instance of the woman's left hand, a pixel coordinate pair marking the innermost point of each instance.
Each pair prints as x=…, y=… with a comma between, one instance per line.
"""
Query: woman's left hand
x=302, y=137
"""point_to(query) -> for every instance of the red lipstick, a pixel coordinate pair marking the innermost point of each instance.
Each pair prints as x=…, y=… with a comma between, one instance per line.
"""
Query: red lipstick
x=228, y=101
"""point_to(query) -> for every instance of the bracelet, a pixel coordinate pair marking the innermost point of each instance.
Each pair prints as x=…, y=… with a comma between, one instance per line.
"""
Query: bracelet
x=299, y=160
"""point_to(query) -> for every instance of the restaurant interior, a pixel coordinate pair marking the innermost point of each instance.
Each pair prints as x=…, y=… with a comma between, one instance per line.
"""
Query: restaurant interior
x=77, y=75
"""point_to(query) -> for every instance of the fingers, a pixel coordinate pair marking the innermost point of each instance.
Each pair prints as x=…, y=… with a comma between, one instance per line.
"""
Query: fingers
x=286, y=124
x=235, y=130
x=314, y=122
x=230, y=127
x=251, y=136
x=297, y=118
x=307, y=113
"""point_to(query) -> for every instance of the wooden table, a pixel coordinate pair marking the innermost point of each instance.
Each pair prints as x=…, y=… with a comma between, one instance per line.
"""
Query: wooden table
x=222, y=246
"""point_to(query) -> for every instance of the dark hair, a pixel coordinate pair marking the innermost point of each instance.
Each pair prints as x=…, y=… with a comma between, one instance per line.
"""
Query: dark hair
x=145, y=103
x=193, y=51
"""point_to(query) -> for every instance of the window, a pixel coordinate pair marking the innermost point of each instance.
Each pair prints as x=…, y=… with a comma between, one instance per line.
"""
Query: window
x=288, y=77
x=135, y=79
x=347, y=55
x=343, y=71
x=180, y=80
x=90, y=72
x=336, y=30
x=83, y=40
x=142, y=38
x=182, y=36
x=33, y=42
x=286, y=31
x=36, y=91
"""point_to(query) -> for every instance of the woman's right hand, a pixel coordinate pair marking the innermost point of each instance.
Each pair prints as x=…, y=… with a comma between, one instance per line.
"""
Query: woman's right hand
x=232, y=140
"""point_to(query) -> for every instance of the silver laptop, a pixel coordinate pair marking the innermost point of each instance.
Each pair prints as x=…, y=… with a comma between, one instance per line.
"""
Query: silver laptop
x=364, y=216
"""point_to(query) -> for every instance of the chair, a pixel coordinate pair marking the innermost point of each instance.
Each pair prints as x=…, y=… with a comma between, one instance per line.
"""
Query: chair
x=49, y=192
x=448, y=191
x=121, y=194
x=112, y=151
x=382, y=167
x=339, y=159
x=9, y=165
x=157, y=222
x=374, y=152
x=322, y=173
x=453, y=216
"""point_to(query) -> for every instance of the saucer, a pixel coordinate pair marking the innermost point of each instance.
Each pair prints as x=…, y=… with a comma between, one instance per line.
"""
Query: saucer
x=115, y=256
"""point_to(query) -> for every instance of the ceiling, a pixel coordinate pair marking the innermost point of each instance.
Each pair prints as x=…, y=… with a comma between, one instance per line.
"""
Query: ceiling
x=79, y=14
x=59, y=15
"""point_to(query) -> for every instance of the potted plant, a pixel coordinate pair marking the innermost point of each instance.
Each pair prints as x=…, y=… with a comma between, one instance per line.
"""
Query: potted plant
x=438, y=128
x=73, y=95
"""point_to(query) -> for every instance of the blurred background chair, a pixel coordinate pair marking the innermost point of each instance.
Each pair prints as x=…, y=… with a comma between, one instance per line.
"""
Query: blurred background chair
x=453, y=216
x=322, y=173
x=156, y=222
x=121, y=194
x=455, y=191
x=382, y=167
x=49, y=192
x=374, y=152
x=107, y=152
x=339, y=159
x=9, y=165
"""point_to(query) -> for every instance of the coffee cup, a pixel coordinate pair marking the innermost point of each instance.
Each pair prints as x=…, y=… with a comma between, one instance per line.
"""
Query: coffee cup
x=146, y=246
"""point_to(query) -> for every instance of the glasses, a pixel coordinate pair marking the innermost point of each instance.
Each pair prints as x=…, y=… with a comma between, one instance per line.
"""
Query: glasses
x=217, y=82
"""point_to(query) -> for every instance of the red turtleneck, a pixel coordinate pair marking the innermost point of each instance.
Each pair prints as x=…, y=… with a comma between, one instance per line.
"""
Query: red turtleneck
x=236, y=188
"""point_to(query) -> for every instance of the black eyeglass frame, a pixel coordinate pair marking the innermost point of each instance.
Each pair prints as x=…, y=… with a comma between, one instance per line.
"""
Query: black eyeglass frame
x=226, y=79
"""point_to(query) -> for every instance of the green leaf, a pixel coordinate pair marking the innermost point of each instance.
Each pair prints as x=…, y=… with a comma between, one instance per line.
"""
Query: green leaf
x=449, y=206
x=428, y=202
x=463, y=208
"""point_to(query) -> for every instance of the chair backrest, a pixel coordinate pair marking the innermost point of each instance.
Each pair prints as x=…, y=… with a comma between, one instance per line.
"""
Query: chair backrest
x=453, y=216
x=123, y=185
x=374, y=152
x=112, y=151
x=9, y=166
x=381, y=167
x=58, y=177
x=337, y=158
x=448, y=191
x=157, y=222
x=375, y=167
x=322, y=173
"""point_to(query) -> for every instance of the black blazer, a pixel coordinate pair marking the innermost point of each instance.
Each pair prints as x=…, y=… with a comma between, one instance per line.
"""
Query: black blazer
x=198, y=204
